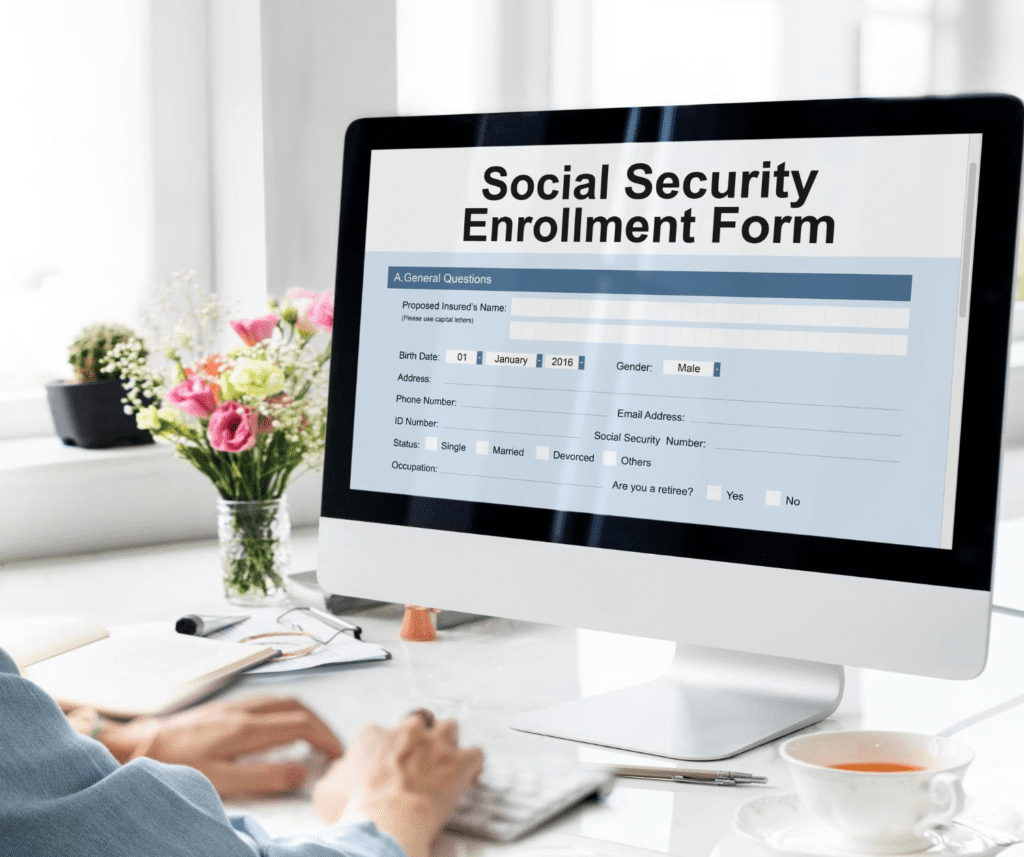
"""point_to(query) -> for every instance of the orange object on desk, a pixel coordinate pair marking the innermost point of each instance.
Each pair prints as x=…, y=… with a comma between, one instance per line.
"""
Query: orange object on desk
x=418, y=624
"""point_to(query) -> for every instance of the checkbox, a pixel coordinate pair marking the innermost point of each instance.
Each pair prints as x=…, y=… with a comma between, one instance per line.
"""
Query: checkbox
x=481, y=447
x=773, y=498
x=714, y=492
x=608, y=457
x=431, y=444
x=542, y=453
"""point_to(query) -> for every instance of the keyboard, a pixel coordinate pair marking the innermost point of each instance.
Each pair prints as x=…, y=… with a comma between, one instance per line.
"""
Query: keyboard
x=513, y=797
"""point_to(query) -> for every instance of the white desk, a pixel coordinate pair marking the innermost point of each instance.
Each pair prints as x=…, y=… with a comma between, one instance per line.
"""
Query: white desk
x=480, y=673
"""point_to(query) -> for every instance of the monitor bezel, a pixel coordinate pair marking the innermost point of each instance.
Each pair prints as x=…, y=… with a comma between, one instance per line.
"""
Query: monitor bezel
x=968, y=565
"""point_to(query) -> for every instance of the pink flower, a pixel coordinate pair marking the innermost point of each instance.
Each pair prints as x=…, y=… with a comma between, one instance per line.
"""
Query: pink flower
x=194, y=396
x=212, y=367
x=321, y=312
x=253, y=330
x=232, y=428
x=302, y=300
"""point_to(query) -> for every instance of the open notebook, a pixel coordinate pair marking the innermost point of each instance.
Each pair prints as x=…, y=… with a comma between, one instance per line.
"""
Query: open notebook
x=129, y=672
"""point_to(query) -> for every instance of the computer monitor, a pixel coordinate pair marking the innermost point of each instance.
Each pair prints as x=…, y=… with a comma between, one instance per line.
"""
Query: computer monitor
x=728, y=375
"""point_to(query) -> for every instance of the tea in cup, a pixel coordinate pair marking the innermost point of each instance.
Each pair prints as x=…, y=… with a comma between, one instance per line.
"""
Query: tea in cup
x=879, y=792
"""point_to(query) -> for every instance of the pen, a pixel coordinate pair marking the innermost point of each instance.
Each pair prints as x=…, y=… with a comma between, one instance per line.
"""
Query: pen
x=200, y=626
x=687, y=775
x=335, y=622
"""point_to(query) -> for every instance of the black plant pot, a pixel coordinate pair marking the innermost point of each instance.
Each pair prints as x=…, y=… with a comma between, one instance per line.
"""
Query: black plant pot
x=91, y=415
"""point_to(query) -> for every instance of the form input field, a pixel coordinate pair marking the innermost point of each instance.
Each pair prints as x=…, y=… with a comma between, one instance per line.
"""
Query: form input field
x=802, y=315
x=751, y=339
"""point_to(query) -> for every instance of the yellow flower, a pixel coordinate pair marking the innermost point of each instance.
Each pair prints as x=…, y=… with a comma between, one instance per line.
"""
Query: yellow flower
x=169, y=417
x=227, y=390
x=257, y=378
x=148, y=419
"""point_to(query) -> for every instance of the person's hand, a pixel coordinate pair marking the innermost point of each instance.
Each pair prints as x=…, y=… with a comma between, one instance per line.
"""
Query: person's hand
x=212, y=737
x=406, y=779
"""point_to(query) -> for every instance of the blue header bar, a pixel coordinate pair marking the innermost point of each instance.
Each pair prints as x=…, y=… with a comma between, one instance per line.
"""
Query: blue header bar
x=721, y=284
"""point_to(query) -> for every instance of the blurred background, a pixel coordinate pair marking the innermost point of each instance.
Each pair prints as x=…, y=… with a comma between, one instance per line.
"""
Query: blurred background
x=146, y=136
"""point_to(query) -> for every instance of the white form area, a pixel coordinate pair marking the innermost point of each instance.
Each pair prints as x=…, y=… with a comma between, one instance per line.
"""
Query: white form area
x=677, y=367
x=609, y=457
x=507, y=358
x=801, y=315
x=773, y=498
x=714, y=492
x=430, y=445
x=750, y=339
x=561, y=361
x=481, y=447
x=908, y=192
x=542, y=453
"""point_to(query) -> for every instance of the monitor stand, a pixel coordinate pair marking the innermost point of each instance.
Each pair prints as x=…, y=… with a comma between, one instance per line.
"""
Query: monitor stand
x=709, y=704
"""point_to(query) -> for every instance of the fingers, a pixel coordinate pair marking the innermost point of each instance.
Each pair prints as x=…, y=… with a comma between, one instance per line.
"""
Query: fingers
x=448, y=731
x=409, y=734
x=421, y=723
x=472, y=759
x=263, y=702
x=423, y=715
x=261, y=731
x=243, y=779
x=266, y=704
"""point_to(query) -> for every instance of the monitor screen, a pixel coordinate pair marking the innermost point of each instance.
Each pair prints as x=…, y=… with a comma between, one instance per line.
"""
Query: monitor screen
x=753, y=351
x=755, y=334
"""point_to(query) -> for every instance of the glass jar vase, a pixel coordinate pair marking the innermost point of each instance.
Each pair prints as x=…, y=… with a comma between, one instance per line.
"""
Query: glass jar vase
x=255, y=550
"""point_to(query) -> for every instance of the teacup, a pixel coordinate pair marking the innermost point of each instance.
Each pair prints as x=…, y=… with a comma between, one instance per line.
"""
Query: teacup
x=892, y=788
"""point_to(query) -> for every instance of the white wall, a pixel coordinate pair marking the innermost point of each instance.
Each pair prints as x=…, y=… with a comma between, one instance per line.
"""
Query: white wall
x=180, y=144
x=236, y=150
x=325, y=63
x=991, y=54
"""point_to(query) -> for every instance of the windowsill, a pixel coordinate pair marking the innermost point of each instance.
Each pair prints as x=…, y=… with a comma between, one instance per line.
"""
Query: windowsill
x=60, y=500
x=30, y=452
x=25, y=414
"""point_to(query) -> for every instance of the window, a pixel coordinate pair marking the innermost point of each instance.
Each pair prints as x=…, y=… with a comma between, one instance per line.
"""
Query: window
x=77, y=179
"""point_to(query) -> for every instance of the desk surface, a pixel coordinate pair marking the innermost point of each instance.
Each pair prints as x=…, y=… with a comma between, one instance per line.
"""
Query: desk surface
x=480, y=673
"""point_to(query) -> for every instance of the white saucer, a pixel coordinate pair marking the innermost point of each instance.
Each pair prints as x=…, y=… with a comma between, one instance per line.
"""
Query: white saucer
x=780, y=824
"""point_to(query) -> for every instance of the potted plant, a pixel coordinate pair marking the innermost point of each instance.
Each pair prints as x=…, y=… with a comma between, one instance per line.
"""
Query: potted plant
x=90, y=410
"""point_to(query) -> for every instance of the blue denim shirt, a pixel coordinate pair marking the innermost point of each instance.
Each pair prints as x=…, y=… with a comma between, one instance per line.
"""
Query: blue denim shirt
x=64, y=794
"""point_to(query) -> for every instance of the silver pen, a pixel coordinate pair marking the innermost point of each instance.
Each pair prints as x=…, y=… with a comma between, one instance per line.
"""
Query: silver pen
x=687, y=775
x=336, y=622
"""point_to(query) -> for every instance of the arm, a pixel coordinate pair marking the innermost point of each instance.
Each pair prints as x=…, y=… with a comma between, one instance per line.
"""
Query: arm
x=62, y=793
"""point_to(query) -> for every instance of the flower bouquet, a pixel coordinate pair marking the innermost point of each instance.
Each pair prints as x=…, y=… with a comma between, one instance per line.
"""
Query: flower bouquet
x=249, y=418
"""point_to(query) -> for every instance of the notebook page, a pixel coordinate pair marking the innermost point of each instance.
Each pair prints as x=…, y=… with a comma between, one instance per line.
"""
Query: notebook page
x=29, y=641
x=133, y=670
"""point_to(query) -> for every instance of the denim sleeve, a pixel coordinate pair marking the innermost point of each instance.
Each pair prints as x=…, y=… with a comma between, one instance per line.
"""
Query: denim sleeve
x=360, y=839
x=64, y=794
